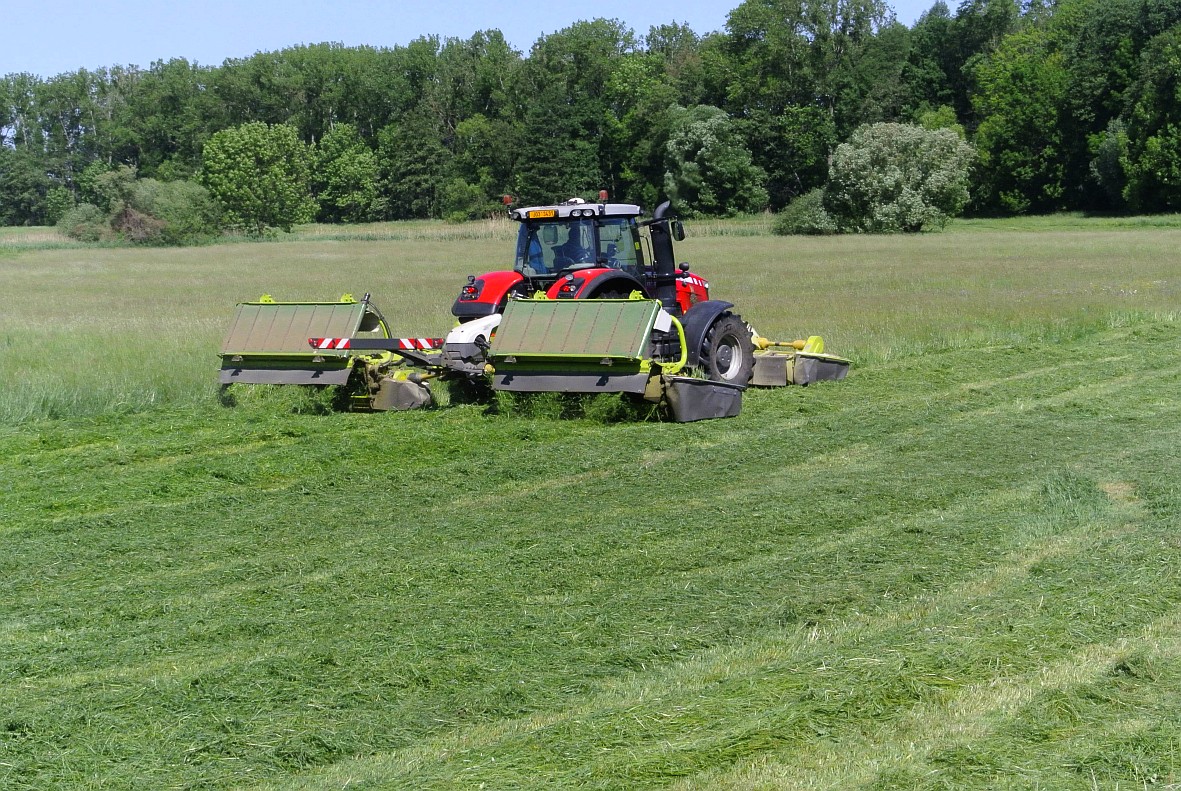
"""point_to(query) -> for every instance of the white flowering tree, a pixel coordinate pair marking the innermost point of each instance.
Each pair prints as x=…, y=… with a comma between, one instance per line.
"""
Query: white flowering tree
x=891, y=178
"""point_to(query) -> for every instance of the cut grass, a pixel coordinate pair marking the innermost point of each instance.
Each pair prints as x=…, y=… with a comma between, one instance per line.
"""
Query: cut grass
x=953, y=570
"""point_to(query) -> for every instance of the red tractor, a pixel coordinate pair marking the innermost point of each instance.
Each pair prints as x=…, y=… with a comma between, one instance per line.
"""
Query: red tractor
x=581, y=250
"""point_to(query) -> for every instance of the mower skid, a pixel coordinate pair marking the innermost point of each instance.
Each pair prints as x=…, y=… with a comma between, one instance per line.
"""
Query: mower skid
x=691, y=399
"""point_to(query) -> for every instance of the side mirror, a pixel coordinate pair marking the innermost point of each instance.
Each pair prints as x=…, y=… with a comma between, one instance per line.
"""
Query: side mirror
x=678, y=230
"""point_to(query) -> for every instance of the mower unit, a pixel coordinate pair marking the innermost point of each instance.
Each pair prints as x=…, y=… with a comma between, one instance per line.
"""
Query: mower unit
x=804, y=364
x=603, y=346
x=268, y=341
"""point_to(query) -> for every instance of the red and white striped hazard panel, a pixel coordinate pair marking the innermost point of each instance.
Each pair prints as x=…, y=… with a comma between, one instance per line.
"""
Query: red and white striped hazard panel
x=420, y=343
x=329, y=343
x=407, y=344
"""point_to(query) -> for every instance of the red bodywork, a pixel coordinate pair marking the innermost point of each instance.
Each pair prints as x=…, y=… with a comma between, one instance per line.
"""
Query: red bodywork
x=487, y=293
x=691, y=289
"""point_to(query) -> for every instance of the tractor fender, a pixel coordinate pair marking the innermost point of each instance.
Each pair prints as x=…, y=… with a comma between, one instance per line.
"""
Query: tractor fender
x=697, y=322
x=491, y=291
x=613, y=281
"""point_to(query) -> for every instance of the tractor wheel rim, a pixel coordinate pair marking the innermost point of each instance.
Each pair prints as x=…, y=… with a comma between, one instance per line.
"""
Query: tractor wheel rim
x=729, y=357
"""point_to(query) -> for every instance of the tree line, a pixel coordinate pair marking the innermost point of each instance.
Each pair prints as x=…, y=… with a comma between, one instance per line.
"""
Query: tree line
x=1069, y=105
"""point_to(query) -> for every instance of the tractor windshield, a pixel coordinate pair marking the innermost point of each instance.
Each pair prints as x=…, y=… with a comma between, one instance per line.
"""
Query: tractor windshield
x=549, y=247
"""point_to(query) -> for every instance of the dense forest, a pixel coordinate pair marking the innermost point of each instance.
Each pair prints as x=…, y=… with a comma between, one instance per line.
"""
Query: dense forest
x=1069, y=105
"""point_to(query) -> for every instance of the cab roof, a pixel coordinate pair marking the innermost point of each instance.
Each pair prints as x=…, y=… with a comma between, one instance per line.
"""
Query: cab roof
x=575, y=207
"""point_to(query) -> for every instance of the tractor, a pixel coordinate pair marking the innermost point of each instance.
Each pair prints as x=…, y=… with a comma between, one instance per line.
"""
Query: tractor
x=581, y=250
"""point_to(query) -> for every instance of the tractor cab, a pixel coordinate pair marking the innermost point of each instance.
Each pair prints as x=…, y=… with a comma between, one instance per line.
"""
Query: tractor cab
x=576, y=235
x=582, y=250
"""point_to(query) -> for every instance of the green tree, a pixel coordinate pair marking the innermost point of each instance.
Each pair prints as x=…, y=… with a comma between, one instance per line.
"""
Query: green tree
x=682, y=63
x=1152, y=161
x=1106, y=169
x=708, y=169
x=58, y=201
x=978, y=29
x=930, y=61
x=345, y=176
x=474, y=76
x=112, y=187
x=460, y=201
x=1022, y=90
x=414, y=164
x=897, y=177
x=24, y=187
x=162, y=116
x=942, y=117
x=792, y=148
x=19, y=121
x=485, y=154
x=784, y=53
x=565, y=138
x=260, y=174
x=639, y=98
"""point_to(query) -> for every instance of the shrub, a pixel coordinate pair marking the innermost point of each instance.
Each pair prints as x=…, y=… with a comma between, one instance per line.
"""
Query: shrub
x=137, y=227
x=891, y=178
x=462, y=201
x=86, y=223
x=806, y=215
x=184, y=211
x=58, y=201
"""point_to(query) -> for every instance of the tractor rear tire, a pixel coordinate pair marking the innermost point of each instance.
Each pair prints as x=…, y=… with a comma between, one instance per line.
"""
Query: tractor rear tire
x=728, y=353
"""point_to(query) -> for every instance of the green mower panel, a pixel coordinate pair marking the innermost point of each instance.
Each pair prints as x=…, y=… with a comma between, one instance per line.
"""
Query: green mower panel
x=267, y=342
x=574, y=346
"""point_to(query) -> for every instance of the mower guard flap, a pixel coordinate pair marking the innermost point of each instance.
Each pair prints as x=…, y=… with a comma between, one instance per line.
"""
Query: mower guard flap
x=574, y=346
x=267, y=342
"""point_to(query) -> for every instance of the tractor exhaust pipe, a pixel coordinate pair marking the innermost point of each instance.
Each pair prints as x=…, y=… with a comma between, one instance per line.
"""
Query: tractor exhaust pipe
x=660, y=227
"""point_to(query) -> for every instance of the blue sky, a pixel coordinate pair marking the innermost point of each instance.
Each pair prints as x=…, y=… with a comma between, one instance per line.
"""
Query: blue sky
x=49, y=37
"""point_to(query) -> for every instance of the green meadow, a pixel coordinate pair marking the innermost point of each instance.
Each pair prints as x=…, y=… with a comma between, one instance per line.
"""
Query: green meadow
x=955, y=569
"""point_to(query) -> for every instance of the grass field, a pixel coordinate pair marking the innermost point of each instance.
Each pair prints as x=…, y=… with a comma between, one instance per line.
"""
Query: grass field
x=956, y=569
x=88, y=330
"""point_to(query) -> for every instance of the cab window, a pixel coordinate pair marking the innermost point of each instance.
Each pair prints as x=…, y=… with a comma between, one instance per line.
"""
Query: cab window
x=617, y=244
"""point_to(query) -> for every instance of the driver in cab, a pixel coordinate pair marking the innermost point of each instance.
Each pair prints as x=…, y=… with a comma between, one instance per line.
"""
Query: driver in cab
x=573, y=251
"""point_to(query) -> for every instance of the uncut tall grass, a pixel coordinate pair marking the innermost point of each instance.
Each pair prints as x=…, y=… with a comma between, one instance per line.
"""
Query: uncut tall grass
x=89, y=330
